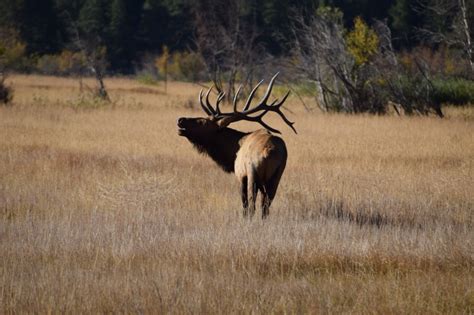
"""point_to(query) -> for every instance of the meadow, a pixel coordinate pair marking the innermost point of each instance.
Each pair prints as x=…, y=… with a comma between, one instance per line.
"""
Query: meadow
x=105, y=209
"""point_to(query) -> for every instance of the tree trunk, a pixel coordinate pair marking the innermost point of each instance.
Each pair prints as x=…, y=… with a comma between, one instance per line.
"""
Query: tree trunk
x=320, y=94
x=468, y=46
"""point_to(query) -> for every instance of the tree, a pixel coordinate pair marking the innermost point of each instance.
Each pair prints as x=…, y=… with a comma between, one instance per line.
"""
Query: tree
x=357, y=73
x=36, y=22
x=446, y=23
x=88, y=37
x=362, y=42
x=227, y=38
x=321, y=56
x=123, y=30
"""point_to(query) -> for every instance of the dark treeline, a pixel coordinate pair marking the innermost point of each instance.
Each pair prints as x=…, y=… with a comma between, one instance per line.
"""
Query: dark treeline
x=355, y=56
x=129, y=29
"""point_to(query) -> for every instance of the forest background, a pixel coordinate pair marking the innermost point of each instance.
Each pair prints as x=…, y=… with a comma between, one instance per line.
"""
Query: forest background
x=368, y=53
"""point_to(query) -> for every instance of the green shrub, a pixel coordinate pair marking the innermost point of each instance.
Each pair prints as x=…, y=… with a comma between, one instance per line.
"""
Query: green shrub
x=147, y=78
x=88, y=101
x=454, y=91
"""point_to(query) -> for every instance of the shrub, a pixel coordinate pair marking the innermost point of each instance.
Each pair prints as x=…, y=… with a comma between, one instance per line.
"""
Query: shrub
x=88, y=101
x=146, y=78
x=162, y=62
x=12, y=57
x=48, y=64
x=6, y=93
x=441, y=62
x=66, y=63
x=414, y=93
x=12, y=50
x=187, y=66
x=454, y=91
x=71, y=62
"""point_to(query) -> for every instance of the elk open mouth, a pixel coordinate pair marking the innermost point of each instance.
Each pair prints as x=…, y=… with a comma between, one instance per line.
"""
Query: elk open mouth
x=181, y=128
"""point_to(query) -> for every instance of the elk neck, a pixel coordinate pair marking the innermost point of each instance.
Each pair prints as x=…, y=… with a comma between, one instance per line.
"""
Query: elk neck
x=221, y=146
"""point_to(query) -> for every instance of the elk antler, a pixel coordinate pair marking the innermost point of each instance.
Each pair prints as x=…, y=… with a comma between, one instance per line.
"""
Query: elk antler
x=228, y=118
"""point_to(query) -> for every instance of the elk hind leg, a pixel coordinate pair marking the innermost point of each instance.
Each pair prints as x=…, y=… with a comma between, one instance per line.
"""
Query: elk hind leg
x=253, y=186
x=269, y=191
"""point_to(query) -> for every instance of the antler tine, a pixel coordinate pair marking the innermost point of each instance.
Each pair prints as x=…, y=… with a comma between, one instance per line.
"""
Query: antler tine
x=213, y=112
x=269, y=89
x=261, y=122
x=258, y=119
x=279, y=112
x=236, y=97
x=262, y=104
x=206, y=110
x=275, y=106
x=252, y=93
x=220, y=97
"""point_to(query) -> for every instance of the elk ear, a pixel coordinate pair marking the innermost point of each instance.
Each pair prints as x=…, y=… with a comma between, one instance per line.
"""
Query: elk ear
x=224, y=122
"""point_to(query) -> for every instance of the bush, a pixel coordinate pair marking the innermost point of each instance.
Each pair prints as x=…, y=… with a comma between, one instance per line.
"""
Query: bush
x=89, y=101
x=6, y=93
x=187, y=66
x=12, y=51
x=414, y=93
x=66, y=63
x=71, y=62
x=146, y=78
x=454, y=91
x=48, y=64
x=12, y=57
x=440, y=62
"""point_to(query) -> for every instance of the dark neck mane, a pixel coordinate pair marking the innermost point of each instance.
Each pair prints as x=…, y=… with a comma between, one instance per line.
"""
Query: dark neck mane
x=222, y=147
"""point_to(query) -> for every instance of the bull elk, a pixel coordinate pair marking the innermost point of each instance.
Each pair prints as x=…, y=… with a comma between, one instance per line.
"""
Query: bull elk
x=257, y=158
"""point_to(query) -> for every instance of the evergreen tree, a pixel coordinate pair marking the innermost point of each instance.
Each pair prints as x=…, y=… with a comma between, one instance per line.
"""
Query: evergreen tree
x=118, y=31
x=404, y=20
x=93, y=19
x=152, y=28
x=276, y=30
x=124, y=21
x=35, y=20
x=68, y=12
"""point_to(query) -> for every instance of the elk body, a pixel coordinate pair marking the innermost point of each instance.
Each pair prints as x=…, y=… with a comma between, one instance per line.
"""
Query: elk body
x=257, y=158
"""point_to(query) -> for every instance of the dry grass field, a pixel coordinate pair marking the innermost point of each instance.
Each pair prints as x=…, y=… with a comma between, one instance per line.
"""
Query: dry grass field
x=108, y=210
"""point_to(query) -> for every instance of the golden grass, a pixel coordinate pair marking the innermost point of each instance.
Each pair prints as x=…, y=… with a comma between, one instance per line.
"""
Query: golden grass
x=108, y=210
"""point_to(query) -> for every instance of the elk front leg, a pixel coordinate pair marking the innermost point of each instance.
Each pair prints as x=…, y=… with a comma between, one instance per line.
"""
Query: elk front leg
x=243, y=195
